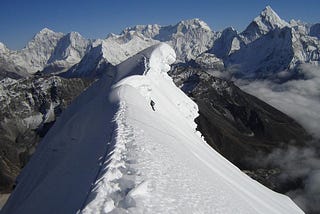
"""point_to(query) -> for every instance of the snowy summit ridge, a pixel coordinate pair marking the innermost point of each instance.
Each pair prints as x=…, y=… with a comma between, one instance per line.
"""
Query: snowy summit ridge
x=111, y=152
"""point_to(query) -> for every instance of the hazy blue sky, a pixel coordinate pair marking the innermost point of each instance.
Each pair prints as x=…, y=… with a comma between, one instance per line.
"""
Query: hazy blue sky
x=21, y=19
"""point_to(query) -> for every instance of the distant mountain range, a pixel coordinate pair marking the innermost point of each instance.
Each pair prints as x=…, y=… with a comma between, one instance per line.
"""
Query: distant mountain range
x=282, y=47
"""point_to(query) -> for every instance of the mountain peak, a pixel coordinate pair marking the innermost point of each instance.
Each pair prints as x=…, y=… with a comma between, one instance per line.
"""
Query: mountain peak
x=46, y=31
x=75, y=37
x=195, y=23
x=2, y=46
x=74, y=34
x=269, y=18
x=262, y=24
x=269, y=10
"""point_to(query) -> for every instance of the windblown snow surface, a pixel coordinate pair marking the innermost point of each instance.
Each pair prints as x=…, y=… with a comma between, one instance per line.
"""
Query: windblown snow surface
x=111, y=153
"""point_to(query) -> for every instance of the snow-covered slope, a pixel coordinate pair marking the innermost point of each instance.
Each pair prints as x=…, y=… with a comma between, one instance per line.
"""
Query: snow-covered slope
x=109, y=52
x=110, y=152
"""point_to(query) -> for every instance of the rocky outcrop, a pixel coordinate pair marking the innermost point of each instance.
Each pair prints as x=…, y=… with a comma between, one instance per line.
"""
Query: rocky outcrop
x=29, y=107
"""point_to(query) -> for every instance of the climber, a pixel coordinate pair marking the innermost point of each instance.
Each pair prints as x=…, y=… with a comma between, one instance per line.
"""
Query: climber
x=152, y=103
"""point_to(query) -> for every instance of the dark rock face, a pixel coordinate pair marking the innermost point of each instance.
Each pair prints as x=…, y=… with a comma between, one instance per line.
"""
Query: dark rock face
x=238, y=125
x=29, y=107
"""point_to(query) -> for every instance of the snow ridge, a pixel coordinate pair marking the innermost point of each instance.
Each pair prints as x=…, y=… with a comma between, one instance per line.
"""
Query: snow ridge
x=117, y=181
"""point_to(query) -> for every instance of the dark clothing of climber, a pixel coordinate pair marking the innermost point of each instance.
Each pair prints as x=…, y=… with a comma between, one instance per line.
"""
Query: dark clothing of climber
x=152, y=103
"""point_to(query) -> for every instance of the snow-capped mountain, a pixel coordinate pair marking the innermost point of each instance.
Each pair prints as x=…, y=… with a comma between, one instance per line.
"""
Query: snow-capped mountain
x=189, y=38
x=279, y=52
x=108, y=53
x=70, y=49
x=48, y=50
x=266, y=21
x=271, y=58
x=54, y=52
x=34, y=56
x=110, y=152
x=268, y=48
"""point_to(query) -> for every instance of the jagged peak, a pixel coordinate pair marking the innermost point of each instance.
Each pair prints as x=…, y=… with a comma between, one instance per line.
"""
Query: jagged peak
x=294, y=22
x=46, y=31
x=126, y=36
x=149, y=30
x=75, y=36
x=142, y=27
x=195, y=23
x=229, y=30
x=45, y=34
x=267, y=20
x=269, y=17
x=3, y=48
x=268, y=11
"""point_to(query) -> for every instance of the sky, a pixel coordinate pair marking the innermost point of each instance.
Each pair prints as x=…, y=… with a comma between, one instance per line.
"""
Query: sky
x=20, y=20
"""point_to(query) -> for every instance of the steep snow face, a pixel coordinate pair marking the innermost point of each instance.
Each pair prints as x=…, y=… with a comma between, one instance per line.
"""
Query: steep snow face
x=270, y=59
x=266, y=21
x=71, y=47
x=111, y=152
x=227, y=43
x=91, y=65
x=189, y=38
x=69, y=50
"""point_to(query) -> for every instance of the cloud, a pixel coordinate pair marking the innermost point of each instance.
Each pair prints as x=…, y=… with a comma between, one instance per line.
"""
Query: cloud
x=299, y=98
x=308, y=198
x=297, y=165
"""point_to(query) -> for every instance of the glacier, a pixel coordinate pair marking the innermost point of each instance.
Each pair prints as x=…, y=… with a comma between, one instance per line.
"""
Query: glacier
x=110, y=152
